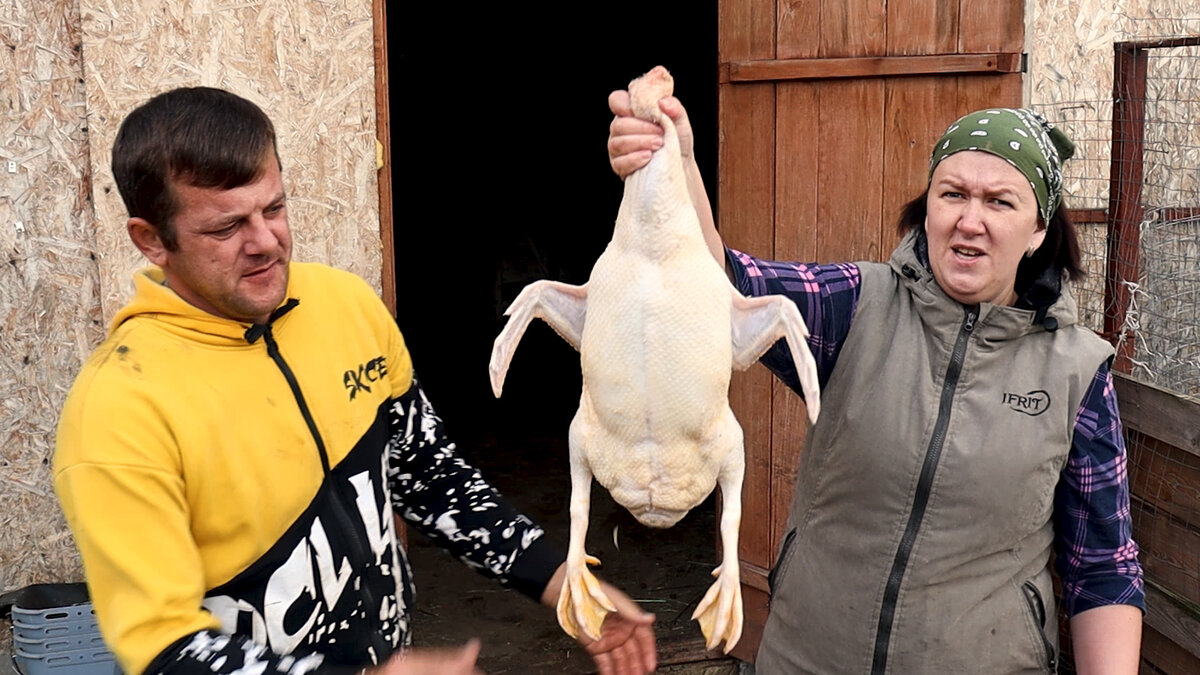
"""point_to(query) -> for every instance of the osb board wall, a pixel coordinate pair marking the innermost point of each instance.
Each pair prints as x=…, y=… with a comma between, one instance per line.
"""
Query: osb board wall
x=1071, y=71
x=49, y=295
x=308, y=63
x=69, y=71
x=1070, y=80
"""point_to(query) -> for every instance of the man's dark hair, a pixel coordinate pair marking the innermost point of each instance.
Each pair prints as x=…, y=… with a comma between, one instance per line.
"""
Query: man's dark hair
x=1060, y=248
x=200, y=136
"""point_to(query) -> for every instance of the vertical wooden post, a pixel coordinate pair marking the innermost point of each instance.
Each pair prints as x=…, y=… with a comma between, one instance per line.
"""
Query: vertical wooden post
x=383, y=135
x=1125, y=209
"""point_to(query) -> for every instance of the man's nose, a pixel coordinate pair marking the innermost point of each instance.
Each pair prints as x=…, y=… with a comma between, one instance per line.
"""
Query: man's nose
x=260, y=238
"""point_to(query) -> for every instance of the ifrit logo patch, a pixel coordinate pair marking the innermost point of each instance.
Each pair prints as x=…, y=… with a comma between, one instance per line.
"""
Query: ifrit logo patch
x=1033, y=403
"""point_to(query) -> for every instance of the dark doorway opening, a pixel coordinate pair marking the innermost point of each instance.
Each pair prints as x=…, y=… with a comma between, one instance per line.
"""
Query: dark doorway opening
x=500, y=177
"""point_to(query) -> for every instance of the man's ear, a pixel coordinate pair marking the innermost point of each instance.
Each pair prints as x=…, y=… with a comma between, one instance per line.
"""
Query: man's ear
x=145, y=237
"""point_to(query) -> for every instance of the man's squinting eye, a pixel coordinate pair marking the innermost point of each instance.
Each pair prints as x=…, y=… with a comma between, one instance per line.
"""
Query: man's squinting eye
x=225, y=231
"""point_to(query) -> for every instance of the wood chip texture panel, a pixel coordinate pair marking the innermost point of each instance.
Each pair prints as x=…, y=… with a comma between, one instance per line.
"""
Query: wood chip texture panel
x=69, y=72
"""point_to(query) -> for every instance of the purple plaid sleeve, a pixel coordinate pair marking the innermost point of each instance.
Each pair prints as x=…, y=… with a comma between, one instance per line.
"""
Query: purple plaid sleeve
x=1096, y=556
x=826, y=295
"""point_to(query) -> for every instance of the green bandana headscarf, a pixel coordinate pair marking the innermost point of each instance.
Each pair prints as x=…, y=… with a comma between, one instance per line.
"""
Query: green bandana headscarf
x=1023, y=137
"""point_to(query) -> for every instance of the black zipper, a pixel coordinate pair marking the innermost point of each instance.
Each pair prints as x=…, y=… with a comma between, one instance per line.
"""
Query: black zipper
x=1038, y=608
x=933, y=454
x=273, y=350
x=339, y=512
x=781, y=563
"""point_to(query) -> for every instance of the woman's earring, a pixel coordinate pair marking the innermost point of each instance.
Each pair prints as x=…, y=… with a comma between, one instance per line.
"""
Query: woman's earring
x=1029, y=251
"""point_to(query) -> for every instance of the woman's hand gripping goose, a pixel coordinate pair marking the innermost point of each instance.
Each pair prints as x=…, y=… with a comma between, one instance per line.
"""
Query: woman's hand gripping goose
x=658, y=328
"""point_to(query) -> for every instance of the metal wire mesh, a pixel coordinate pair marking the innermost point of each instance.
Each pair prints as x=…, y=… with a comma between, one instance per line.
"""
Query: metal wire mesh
x=1163, y=312
x=1135, y=186
x=1166, y=322
x=1085, y=188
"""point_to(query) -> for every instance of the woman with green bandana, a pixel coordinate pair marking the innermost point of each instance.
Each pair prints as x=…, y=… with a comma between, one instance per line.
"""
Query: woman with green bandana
x=969, y=436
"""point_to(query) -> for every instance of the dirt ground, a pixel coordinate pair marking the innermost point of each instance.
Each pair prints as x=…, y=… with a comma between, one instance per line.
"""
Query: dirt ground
x=667, y=571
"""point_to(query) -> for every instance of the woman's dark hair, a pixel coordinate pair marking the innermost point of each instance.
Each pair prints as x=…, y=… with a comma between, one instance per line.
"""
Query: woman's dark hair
x=200, y=136
x=1060, y=248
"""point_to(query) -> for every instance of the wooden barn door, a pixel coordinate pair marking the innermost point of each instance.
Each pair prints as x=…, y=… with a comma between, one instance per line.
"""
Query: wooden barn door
x=827, y=112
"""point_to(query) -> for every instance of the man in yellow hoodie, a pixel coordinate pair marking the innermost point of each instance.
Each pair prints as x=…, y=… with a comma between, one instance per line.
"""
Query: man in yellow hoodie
x=230, y=458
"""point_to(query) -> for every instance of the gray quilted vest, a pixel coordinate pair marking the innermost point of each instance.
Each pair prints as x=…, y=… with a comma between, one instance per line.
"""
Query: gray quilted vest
x=920, y=532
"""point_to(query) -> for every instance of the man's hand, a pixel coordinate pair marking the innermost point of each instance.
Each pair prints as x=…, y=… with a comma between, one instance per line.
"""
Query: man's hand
x=631, y=141
x=626, y=645
x=457, y=661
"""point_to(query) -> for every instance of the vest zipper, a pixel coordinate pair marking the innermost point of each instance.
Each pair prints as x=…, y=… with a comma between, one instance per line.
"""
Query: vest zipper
x=933, y=454
x=781, y=563
x=340, y=513
x=1038, y=608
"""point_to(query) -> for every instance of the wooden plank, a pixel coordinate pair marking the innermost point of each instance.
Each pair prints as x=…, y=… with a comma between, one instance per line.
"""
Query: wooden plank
x=744, y=205
x=1159, y=413
x=871, y=66
x=745, y=213
x=1164, y=476
x=749, y=397
x=789, y=431
x=853, y=28
x=1160, y=654
x=916, y=112
x=1170, y=549
x=797, y=150
x=978, y=91
x=1160, y=43
x=383, y=133
x=1175, y=621
x=991, y=26
x=1089, y=216
x=922, y=26
x=798, y=29
x=850, y=189
x=756, y=577
x=797, y=153
x=746, y=30
x=1125, y=197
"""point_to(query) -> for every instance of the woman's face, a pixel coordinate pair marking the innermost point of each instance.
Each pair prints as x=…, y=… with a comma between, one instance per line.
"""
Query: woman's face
x=982, y=216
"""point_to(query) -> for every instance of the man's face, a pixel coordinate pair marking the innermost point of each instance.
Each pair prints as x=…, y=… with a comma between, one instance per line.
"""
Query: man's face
x=233, y=248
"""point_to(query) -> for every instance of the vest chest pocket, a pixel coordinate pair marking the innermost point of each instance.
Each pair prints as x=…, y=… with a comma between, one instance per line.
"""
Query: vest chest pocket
x=781, y=563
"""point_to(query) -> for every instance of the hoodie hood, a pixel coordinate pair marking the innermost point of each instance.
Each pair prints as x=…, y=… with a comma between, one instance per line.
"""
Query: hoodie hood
x=154, y=300
x=1046, y=305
